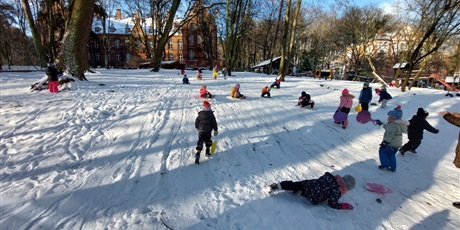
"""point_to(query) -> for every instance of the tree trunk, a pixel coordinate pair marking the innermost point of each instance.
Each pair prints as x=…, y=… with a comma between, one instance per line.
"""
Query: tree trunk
x=76, y=37
x=284, y=40
x=34, y=32
x=291, y=43
x=160, y=42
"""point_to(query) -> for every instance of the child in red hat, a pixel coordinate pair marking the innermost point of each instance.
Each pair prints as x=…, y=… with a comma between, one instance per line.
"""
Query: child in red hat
x=205, y=123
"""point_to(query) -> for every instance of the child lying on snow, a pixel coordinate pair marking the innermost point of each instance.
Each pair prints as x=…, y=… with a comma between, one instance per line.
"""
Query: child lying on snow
x=326, y=188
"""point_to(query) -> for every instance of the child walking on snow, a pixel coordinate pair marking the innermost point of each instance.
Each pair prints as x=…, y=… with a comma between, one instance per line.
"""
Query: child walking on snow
x=392, y=138
x=417, y=124
x=326, y=188
x=365, y=96
x=205, y=123
x=346, y=102
x=305, y=100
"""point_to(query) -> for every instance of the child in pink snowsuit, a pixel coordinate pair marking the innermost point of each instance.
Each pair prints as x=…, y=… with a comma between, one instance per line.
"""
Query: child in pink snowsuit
x=346, y=102
x=204, y=93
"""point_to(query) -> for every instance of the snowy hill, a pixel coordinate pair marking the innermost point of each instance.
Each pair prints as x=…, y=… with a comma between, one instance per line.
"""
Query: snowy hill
x=116, y=152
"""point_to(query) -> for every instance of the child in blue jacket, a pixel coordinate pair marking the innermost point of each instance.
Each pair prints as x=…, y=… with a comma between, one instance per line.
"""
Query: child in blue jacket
x=365, y=96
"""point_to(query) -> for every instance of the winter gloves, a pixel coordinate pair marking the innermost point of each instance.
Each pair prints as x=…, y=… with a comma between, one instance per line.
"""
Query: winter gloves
x=383, y=145
x=346, y=206
x=378, y=122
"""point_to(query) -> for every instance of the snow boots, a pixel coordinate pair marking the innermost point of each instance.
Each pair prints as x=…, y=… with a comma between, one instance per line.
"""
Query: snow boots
x=197, y=157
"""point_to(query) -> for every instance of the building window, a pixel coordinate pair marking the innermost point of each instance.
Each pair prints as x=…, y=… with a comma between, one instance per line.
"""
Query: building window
x=98, y=57
x=127, y=43
x=171, y=57
x=199, y=40
x=118, y=57
x=181, y=57
x=192, y=26
x=171, y=45
x=180, y=45
x=96, y=45
x=191, y=40
x=97, y=29
x=191, y=55
x=117, y=44
x=128, y=56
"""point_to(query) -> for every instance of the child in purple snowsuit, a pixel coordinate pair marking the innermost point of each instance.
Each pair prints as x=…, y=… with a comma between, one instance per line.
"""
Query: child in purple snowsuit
x=326, y=188
x=346, y=102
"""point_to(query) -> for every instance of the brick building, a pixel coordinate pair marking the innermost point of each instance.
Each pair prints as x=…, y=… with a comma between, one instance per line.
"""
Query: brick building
x=129, y=42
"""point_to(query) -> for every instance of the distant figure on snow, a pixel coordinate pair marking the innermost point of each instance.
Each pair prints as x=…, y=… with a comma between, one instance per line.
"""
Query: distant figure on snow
x=417, y=124
x=204, y=93
x=198, y=75
x=235, y=92
x=365, y=96
x=384, y=96
x=185, y=79
x=225, y=73
x=326, y=188
x=53, y=79
x=215, y=72
x=305, y=101
x=266, y=92
x=277, y=82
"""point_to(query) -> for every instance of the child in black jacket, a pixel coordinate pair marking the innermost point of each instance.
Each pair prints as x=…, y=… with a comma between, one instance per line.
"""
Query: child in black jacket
x=205, y=123
x=417, y=124
x=326, y=188
x=305, y=100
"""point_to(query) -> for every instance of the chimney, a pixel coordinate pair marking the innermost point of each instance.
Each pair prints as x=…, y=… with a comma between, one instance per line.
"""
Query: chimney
x=118, y=14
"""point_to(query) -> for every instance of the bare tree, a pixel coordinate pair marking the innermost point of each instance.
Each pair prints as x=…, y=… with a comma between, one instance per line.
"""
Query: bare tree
x=356, y=30
x=434, y=22
x=237, y=18
x=34, y=31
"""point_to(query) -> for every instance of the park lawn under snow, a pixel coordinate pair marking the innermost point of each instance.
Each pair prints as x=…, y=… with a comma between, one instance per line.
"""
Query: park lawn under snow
x=116, y=152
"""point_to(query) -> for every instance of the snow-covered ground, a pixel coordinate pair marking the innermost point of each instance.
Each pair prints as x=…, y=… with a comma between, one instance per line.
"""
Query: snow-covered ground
x=116, y=152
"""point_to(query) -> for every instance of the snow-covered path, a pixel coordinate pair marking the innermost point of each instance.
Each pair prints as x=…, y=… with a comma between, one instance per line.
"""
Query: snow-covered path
x=117, y=153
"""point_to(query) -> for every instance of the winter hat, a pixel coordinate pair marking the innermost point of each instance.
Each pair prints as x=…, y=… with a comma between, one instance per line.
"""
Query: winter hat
x=366, y=84
x=345, y=91
x=349, y=182
x=303, y=94
x=237, y=86
x=422, y=112
x=396, y=113
x=206, y=104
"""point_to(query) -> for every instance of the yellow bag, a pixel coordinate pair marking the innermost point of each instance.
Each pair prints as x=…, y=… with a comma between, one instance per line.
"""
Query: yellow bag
x=358, y=108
